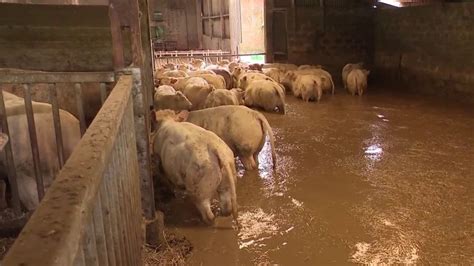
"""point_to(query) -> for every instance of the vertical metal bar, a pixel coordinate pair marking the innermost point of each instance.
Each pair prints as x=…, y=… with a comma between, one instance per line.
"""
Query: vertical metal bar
x=80, y=107
x=99, y=233
x=108, y=223
x=103, y=92
x=53, y=97
x=9, y=157
x=33, y=141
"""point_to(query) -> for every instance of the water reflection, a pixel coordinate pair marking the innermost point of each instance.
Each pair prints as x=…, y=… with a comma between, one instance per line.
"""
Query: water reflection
x=374, y=152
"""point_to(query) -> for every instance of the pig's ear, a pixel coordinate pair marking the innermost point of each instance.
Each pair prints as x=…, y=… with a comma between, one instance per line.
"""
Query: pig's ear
x=182, y=116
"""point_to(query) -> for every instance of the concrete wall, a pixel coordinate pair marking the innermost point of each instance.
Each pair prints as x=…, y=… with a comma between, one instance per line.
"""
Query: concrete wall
x=430, y=48
x=330, y=36
x=54, y=38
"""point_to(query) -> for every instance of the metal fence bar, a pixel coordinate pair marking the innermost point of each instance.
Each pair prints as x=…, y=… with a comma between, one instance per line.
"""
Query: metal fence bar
x=9, y=157
x=80, y=107
x=53, y=97
x=33, y=141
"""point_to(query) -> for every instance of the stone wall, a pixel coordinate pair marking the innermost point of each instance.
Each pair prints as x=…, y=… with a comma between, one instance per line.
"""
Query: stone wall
x=56, y=38
x=331, y=37
x=428, y=48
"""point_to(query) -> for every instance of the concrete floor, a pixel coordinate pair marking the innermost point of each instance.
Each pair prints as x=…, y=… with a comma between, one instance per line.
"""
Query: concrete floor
x=383, y=178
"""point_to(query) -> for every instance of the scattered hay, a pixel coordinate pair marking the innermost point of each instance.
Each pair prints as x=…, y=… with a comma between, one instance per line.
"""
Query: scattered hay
x=173, y=252
x=5, y=244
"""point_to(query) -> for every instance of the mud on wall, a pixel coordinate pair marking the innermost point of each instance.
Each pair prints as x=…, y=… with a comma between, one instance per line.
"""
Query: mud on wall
x=427, y=48
x=56, y=38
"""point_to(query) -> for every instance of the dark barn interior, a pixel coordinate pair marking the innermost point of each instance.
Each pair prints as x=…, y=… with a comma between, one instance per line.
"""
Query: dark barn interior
x=243, y=132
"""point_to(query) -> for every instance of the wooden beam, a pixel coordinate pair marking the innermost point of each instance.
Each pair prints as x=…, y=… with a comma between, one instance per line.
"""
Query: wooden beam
x=117, y=40
x=58, y=2
x=56, y=77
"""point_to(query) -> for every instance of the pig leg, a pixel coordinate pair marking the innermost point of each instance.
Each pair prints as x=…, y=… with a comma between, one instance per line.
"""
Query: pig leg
x=204, y=207
x=255, y=159
x=248, y=162
x=27, y=191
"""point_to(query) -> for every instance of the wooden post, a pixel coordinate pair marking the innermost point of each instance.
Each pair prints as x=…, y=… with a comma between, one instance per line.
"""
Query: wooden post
x=117, y=40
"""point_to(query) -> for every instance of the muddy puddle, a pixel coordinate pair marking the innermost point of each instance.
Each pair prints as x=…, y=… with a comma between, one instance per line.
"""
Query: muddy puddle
x=378, y=179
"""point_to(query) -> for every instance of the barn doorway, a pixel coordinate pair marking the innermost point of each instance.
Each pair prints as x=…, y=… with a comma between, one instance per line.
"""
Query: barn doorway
x=252, y=41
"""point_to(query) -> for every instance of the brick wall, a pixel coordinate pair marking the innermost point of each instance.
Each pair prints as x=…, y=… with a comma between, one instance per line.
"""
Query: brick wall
x=428, y=48
x=332, y=38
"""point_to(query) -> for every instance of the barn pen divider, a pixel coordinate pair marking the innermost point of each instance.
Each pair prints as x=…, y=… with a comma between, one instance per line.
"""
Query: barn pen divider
x=184, y=57
x=27, y=79
x=92, y=212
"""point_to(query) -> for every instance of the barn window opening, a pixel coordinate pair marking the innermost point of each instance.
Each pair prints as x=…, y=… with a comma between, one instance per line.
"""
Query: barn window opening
x=391, y=2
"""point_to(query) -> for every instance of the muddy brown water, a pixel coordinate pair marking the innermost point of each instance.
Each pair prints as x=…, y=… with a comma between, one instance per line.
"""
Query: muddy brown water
x=378, y=179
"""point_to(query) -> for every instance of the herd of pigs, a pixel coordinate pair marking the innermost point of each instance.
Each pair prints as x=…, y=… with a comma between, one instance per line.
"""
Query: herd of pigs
x=203, y=120
x=200, y=126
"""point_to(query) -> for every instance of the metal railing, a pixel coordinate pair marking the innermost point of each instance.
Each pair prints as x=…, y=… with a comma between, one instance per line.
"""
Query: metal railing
x=184, y=57
x=27, y=79
x=91, y=214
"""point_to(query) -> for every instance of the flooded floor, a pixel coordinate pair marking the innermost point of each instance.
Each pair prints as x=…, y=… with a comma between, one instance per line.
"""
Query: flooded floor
x=377, y=179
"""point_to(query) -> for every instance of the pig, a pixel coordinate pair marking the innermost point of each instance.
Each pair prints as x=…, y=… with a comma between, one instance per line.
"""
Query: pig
x=224, y=97
x=166, y=97
x=236, y=74
x=274, y=73
x=257, y=67
x=196, y=89
x=232, y=66
x=20, y=141
x=216, y=80
x=185, y=67
x=174, y=74
x=302, y=67
x=348, y=68
x=198, y=161
x=265, y=94
x=357, y=81
x=327, y=84
x=308, y=87
x=198, y=63
x=247, y=78
x=223, y=63
x=241, y=128
x=226, y=75
x=200, y=72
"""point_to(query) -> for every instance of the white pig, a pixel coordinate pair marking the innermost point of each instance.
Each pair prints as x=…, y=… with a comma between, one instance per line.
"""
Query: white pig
x=198, y=161
x=241, y=128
